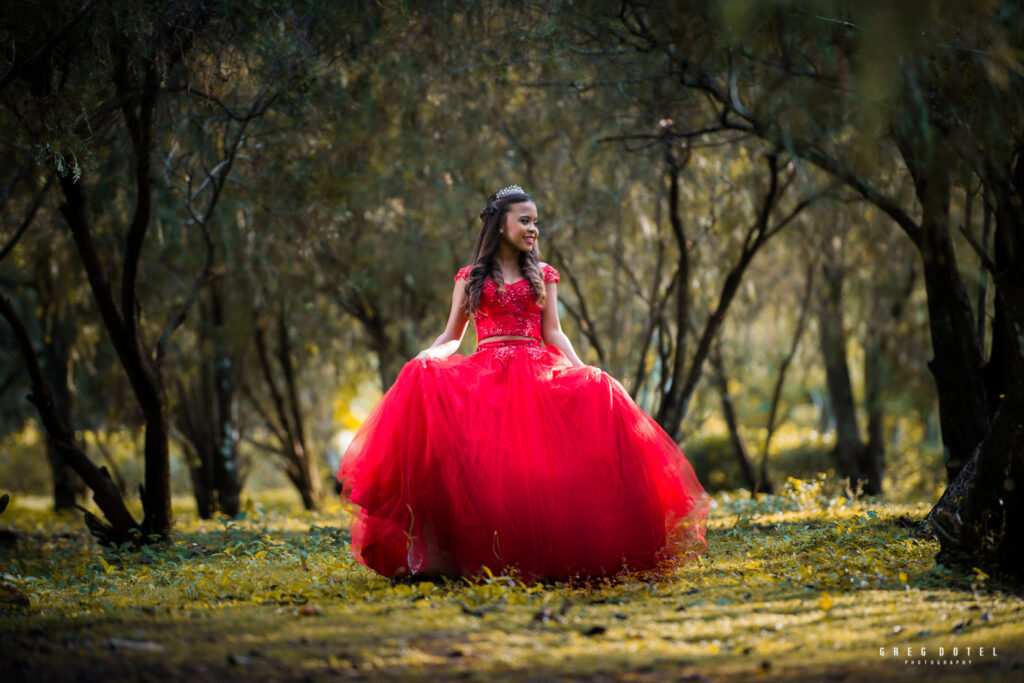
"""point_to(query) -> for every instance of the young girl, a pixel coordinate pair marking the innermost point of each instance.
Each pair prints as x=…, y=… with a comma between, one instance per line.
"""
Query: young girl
x=518, y=456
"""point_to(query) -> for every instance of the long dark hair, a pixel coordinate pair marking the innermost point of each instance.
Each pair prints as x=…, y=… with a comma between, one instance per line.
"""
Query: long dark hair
x=486, y=266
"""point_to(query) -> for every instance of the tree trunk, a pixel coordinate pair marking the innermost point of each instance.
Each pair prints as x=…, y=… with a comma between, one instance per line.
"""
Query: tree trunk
x=871, y=459
x=675, y=400
x=156, y=496
x=889, y=298
x=121, y=527
x=67, y=486
x=308, y=477
x=389, y=359
x=208, y=419
x=764, y=482
x=286, y=420
x=653, y=313
x=832, y=339
x=739, y=449
x=958, y=356
x=227, y=476
x=195, y=423
x=980, y=517
x=142, y=374
x=200, y=476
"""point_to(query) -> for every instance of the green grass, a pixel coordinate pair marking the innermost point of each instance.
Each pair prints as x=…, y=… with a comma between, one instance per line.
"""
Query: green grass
x=800, y=585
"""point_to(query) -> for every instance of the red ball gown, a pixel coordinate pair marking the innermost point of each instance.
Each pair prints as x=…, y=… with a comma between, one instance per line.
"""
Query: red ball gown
x=513, y=458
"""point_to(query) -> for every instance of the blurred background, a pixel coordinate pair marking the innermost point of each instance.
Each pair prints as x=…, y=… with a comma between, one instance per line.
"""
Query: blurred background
x=228, y=227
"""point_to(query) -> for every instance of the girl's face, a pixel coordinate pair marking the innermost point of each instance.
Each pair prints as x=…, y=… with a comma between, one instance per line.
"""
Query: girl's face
x=521, y=228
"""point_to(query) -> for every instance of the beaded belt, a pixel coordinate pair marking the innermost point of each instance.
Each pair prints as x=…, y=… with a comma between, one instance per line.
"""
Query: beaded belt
x=507, y=342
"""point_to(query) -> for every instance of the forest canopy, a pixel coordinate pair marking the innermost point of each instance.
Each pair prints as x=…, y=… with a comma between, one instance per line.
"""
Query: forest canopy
x=792, y=230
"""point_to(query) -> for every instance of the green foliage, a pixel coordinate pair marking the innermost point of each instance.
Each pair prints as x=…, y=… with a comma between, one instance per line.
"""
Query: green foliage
x=912, y=472
x=800, y=583
x=353, y=200
x=23, y=465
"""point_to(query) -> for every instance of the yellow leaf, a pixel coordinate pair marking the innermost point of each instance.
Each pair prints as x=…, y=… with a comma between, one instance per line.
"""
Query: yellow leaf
x=903, y=577
x=826, y=601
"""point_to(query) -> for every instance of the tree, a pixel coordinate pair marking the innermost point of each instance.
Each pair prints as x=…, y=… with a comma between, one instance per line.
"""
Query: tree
x=818, y=83
x=277, y=359
x=101, y=79
x=52, y=293
x=208, y=413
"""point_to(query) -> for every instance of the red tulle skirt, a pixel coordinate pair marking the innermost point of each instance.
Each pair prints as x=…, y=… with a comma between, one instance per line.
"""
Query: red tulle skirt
x=513, y=458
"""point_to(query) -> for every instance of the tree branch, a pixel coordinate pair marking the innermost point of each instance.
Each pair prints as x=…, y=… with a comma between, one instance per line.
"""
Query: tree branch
x=27, y=221
x=805, y=150
x=140, y=130
x=583, y=319
x=217, y=182
x=19, y=67
x=74, y=213
x=105, y=492
x=780, y=379
x=262, y=412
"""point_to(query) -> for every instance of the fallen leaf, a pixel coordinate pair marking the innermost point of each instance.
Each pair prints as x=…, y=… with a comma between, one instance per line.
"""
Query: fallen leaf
x=239, y=660
x=143, y=645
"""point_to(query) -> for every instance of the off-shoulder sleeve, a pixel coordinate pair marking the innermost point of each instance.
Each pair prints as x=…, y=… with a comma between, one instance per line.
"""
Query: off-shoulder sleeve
x=550, y=274
x=463, y=273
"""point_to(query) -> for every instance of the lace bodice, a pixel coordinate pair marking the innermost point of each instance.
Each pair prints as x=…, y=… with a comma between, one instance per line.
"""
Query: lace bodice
x=510, y=312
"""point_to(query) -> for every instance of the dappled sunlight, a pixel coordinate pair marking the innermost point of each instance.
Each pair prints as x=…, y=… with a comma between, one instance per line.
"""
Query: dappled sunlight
x=230, y=247
x=787, y=582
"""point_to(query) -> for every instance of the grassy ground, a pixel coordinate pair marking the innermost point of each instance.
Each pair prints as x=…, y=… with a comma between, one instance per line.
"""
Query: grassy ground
x=796, y=586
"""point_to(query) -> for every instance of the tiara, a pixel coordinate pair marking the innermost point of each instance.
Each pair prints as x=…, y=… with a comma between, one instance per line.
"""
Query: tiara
x=506, y=191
